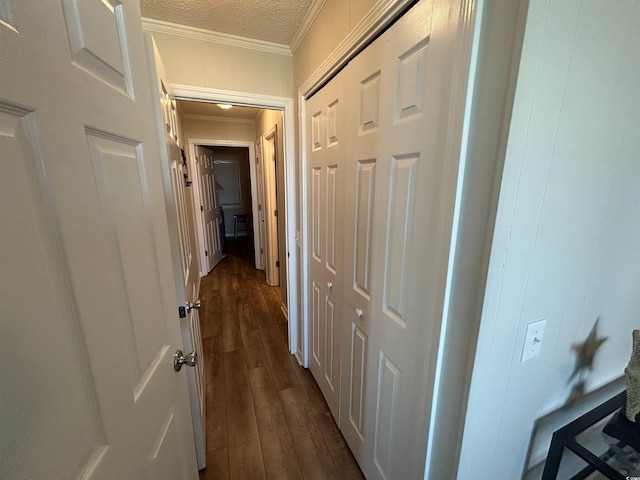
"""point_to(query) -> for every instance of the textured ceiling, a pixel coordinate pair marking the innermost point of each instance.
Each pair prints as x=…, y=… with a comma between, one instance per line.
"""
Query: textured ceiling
x=269, y=20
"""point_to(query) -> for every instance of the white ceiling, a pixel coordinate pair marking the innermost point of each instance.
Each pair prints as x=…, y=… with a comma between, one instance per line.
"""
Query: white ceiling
x=269, y=20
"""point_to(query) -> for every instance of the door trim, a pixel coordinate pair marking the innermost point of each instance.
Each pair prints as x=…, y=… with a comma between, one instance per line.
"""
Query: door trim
x=286, y=105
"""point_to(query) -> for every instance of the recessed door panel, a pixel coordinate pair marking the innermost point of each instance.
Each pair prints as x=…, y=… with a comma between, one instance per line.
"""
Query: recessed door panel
x=331, y=362
x=96, y=33
x=317, y=325
x=389, y=377
x=331, y=226
x=399, y=228
x=6, y=16
x=410, y=81
x=369, y=102
x=332, y=123
x=119, y=174
x=357, y=376
x=365, y=189
x=316, y=220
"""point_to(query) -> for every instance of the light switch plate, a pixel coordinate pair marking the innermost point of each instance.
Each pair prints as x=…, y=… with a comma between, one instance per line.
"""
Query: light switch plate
x=533, y=340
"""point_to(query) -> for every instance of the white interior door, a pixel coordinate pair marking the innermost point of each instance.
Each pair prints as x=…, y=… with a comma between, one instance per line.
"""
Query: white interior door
x=270, y=211
x=175, y=173
x=90, y=321
x=398, y=195
x=326, y=157
x=402, y=87
x=212, y=250
x=261, y=206
x=362, y=84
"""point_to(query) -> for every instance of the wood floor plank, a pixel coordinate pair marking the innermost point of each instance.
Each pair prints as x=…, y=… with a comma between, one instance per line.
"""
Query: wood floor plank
x=214, y=282
x=245, y=451
x=217, y=465
x=251, y=339
x=346, y=465
x=311, y=390
x=280, y=459
x=216, y=400
x=231, y=337
x=266, y=417
x=315, y=459
x=281, y=367
x=211, y=313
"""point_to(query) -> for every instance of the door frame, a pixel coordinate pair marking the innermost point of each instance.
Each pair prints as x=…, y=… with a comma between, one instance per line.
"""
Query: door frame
x=286, y=105
x=192, y=143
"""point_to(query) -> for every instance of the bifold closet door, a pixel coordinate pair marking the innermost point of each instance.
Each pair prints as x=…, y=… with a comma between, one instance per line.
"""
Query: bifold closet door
x=397, y=236
x=399, y=190
x=411, y=234
x=325, y=157
x=362, y=77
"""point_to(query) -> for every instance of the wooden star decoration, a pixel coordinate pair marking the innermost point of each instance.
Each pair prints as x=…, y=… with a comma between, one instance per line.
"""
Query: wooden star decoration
x=586, y=351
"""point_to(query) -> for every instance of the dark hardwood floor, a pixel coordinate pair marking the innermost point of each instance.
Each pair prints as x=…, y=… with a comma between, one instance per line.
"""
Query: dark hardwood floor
x=266, y=417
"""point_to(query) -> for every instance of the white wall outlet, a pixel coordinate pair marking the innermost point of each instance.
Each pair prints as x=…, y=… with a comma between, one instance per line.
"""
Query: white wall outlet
x=533, y=340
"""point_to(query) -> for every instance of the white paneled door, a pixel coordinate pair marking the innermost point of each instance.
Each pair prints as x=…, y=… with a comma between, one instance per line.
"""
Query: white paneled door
x=326, y=157
x=212, y=246
x=181, y=246
x=89, y=312
x=270, y=210
x=395, y=188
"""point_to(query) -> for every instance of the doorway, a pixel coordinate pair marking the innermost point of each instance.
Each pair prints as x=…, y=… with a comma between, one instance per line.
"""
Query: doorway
x=249, y=127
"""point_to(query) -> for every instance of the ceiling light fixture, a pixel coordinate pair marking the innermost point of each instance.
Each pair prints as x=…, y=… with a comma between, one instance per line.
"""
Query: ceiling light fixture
x=224, y=106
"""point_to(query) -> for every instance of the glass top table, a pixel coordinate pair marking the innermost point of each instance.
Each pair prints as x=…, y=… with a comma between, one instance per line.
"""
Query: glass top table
x=606, y=443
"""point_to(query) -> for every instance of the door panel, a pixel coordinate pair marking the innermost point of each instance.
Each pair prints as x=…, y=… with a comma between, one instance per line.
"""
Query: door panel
x=185, y=272
x=209, y=210
x=412, y=242
x=272, y=257
x=325, y=185
x=87, y=288
x=395, y=186
x=363, y=78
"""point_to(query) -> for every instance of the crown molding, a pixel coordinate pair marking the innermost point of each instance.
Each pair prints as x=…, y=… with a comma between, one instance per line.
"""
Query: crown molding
x=307, y=22
x=378, y=18
x=152, y=25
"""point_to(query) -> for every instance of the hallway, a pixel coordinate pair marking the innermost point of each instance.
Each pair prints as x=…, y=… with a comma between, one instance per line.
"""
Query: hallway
x=266, y=417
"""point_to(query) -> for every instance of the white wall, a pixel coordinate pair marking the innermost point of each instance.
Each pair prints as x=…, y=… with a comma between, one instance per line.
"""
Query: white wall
x=565, y=245
x=217, y=130
x=201, y=63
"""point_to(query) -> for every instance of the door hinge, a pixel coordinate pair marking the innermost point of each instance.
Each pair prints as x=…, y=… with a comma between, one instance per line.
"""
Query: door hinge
x=182, y=312
x=261, y=250
x=206, y=253
x=278, y=264
x=275, y=213
x=259, y=207
x=201, y=208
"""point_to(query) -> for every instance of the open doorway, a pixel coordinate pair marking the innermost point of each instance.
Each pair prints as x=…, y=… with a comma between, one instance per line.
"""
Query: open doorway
x=237, y=156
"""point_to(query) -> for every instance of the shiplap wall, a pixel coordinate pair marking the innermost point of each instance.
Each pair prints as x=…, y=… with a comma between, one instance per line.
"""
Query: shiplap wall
x=567, y=234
